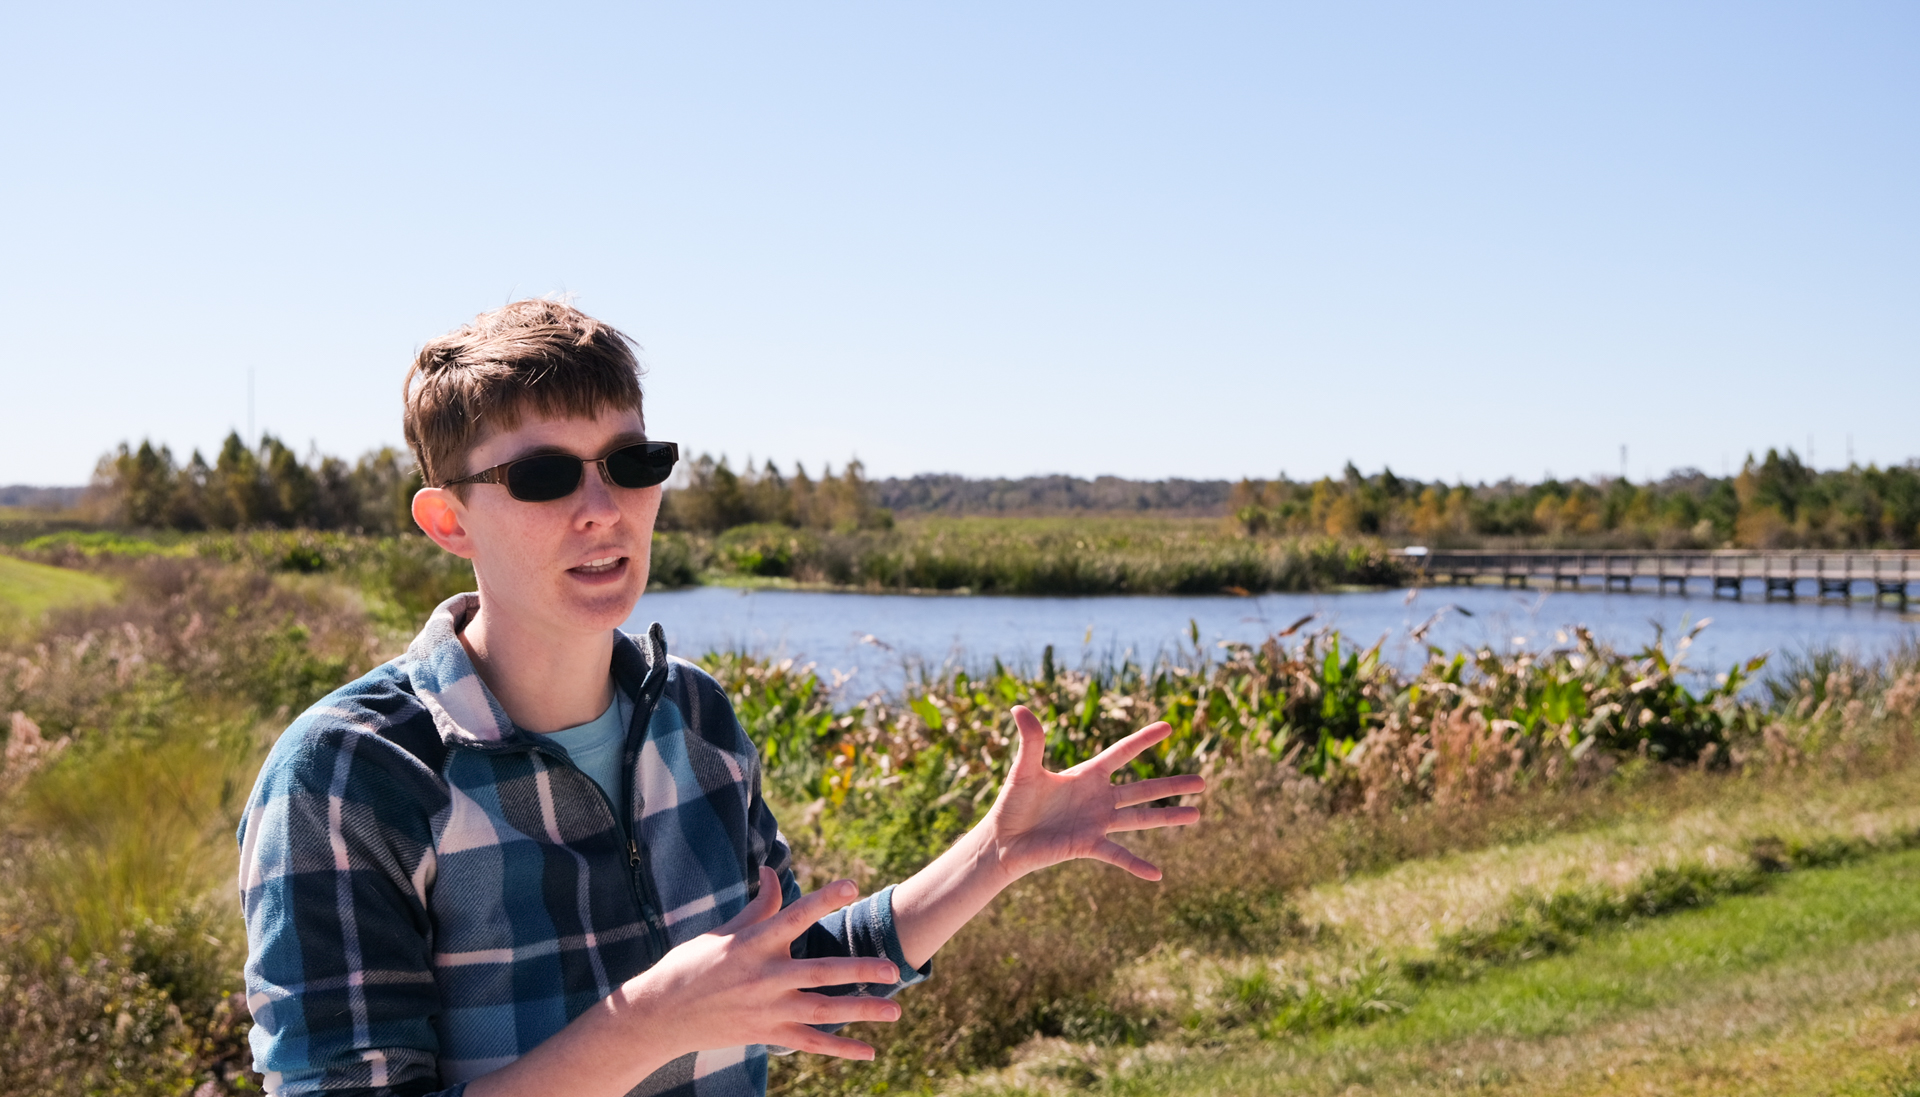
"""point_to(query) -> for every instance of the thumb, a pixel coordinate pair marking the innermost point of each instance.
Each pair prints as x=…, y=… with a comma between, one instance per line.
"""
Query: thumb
x=1032, y=751
x=764, y=906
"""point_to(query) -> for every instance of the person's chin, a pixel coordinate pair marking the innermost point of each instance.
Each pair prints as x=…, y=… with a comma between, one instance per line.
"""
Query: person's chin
x=607, y=592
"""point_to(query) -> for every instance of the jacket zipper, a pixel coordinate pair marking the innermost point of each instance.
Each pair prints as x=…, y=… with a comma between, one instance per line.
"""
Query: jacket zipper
x=650, y=909
x=639, y=880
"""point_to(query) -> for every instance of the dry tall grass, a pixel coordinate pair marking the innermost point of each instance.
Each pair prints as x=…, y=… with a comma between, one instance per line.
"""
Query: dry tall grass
x=134, y=732
x=134, y=727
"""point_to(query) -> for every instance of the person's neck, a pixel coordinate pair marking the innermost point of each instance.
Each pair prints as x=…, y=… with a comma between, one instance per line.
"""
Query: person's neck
x=546, y=682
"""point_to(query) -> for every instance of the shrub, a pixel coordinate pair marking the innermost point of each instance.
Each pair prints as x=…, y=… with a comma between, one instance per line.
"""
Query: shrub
x=124, y=946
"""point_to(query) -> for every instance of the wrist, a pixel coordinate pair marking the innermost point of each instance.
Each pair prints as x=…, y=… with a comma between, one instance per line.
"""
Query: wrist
x=995, y=857
x=643, y=1004
x=597, y=1052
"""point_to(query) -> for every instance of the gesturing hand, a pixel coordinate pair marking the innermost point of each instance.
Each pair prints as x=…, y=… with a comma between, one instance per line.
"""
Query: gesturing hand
x=740, y=985
x=1042, y=818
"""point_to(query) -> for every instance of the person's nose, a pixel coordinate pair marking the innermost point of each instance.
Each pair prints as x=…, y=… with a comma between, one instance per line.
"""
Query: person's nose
x=596, y=503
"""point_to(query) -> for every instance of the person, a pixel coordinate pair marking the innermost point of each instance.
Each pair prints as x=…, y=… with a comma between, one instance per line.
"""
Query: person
x=531, y=855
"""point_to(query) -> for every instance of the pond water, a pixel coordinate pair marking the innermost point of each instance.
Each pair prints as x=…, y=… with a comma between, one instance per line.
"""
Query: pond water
x=879, y=640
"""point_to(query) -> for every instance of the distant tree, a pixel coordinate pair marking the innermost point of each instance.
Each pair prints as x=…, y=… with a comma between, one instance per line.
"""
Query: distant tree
x=266, y=486
x=383, y=484
x=1775, y=500
x=138, y=483
x=289, y=491
x=713, y=498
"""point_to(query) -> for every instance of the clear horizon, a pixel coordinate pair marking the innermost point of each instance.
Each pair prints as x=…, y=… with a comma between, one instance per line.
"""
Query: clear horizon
x=1226, y=240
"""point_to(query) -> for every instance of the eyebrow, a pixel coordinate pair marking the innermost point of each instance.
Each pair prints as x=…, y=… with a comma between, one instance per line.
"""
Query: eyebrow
x=618, y=441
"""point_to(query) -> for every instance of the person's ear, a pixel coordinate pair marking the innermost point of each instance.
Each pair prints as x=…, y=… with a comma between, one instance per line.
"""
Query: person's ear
x=438, y=513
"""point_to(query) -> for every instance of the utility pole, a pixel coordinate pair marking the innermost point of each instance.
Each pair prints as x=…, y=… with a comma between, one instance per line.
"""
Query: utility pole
x=249, y=405
x=1623, y=461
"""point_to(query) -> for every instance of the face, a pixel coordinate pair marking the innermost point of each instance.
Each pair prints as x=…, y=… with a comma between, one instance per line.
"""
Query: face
x=573, y=565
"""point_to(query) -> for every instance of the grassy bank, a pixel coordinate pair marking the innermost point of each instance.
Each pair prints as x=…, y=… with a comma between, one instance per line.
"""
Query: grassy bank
x=1314, y=904
x=1805, y=989
x=134, y=727
x=1130, y=555
x=1382, y=847
x=1066, y=555
x=28, y=590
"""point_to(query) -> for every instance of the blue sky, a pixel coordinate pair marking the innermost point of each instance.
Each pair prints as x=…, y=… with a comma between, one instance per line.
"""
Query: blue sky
x=1209, y=240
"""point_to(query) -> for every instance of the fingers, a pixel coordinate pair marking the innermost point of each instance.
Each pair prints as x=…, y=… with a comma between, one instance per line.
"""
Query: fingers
x=812, y=907
x=840, y=971
x=1149, y=818
x=827, y=1009
x=764, y=906
x=843, y=1009
x=802, y=1038
x=1032, y=751
x=1114, y=853
x=1126, y=750
x=1141, y=792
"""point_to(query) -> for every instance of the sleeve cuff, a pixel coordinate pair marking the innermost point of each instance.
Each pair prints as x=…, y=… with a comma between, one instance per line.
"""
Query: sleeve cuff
x=875, y=935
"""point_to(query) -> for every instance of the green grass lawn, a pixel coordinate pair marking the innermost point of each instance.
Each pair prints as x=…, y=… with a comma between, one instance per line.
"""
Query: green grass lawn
x=1811, y=987
x=28, y=590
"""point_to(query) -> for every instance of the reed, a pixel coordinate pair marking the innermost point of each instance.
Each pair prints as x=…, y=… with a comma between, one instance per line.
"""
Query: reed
x=912, y=771
x=134, y=725
x=1104, y=555
x=134, y=728
x=408, y=575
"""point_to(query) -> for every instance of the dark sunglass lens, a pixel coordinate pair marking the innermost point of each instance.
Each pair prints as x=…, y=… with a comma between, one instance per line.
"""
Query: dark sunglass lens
x=543, y=479
x=641, y=466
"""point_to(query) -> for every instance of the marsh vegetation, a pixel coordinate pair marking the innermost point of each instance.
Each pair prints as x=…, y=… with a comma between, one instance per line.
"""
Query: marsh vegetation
x=1043, y=535
x=1481, y=864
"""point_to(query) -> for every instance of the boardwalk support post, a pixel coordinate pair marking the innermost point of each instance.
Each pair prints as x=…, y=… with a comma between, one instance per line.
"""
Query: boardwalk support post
x=1897, y=591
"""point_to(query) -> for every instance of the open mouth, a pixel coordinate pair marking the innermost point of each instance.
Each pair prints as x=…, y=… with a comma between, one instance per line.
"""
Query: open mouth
x=604, y=566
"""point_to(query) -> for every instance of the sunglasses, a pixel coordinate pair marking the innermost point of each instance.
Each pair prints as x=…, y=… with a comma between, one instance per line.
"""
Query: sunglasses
x=545, y=477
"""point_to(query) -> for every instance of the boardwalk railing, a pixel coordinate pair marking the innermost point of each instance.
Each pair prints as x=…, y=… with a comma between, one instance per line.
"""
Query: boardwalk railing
x=1778, y=574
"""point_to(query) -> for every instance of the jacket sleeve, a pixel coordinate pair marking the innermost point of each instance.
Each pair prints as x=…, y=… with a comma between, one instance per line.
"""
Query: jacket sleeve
x=336, y=859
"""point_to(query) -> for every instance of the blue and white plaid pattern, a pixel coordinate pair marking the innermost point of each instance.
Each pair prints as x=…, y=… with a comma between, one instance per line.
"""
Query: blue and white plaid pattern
x=430, y=892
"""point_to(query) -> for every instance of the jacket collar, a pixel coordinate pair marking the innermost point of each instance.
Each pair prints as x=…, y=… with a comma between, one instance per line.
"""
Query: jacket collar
x=465, y=710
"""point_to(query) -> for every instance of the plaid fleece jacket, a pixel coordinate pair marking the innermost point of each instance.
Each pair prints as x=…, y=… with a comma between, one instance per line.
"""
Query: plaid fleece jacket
x=431, y=891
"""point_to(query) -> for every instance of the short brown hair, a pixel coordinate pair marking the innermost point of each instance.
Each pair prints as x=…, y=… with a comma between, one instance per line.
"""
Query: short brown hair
x=534, y=354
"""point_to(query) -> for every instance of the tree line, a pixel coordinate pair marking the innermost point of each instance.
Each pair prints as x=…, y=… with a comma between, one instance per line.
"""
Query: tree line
x=707, y=495
x=1773, y=502
x=270, y=486
x=267, y=485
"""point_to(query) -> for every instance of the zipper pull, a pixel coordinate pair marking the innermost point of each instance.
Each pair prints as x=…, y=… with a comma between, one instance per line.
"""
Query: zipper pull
x=633, y=853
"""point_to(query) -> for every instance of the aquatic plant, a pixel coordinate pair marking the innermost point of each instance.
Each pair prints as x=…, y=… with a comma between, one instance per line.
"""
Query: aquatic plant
x=132, y=727
x=904, y=774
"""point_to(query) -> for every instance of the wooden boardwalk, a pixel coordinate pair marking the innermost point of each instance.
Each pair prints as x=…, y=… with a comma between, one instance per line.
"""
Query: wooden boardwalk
x=1778, y=574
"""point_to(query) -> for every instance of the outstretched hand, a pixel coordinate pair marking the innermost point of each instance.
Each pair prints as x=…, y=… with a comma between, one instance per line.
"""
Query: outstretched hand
x=1042, y=818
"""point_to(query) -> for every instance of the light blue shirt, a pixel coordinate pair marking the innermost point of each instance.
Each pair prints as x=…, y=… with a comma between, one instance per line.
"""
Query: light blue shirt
x=598, y=746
